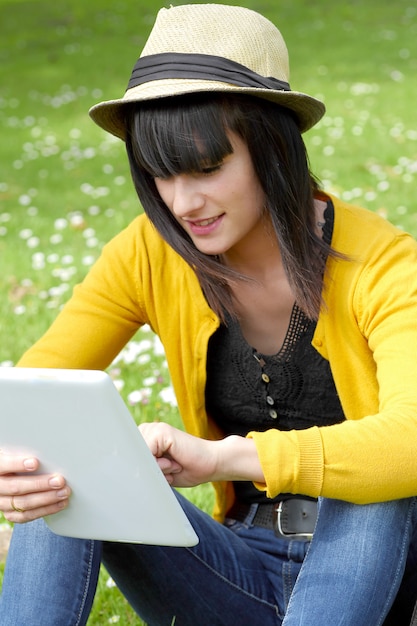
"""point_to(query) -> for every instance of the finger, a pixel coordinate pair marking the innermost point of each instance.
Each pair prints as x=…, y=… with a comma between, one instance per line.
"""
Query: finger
x=17, y=484
x=168, y=465
x=27, y=515
x=170, y=479
x=158, y=437
x=30, y=506
x=12, y=463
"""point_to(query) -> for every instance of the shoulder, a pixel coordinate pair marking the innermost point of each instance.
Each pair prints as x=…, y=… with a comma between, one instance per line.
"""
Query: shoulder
x=362, y=235
x=376, y=256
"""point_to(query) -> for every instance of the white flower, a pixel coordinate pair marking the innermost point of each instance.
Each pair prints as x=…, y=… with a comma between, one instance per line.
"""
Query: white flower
x=168, y=396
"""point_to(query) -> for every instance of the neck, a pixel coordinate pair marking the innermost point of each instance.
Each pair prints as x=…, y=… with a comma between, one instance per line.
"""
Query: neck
x=258, y=257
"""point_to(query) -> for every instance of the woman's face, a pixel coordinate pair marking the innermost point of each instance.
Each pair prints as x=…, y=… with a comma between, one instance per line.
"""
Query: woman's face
x=220, y=208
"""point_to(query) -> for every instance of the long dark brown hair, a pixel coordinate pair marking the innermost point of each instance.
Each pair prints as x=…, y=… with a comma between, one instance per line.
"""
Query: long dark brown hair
x=161, y=142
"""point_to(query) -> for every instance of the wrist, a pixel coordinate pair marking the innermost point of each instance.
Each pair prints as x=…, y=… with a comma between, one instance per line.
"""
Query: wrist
x=237, y=459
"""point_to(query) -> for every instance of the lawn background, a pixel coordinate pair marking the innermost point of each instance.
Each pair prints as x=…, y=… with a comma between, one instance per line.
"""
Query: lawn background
x=64, y=184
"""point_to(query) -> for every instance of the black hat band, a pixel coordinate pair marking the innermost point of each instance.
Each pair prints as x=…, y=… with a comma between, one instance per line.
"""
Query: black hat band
x=200, y=67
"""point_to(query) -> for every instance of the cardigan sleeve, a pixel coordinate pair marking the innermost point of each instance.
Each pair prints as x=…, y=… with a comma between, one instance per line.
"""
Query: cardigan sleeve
x=372, y=348
x=102, y=315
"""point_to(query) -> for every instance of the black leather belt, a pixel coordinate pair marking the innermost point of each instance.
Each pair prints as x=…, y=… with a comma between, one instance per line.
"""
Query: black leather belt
x=294, y=518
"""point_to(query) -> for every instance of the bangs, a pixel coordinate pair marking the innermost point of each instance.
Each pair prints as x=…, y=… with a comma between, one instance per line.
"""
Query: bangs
x=177, y=136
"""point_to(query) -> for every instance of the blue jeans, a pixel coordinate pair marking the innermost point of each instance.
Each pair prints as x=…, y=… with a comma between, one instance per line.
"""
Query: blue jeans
x=238, y=573
x=356, y=563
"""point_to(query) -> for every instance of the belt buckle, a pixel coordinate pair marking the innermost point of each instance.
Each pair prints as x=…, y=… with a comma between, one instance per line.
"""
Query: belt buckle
x=278, y=530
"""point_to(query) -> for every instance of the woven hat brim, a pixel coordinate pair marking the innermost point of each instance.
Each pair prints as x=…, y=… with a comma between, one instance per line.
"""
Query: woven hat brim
x=109, y=114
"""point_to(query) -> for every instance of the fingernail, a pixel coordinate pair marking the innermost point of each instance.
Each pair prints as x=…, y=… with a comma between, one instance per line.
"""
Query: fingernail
x=55, y=481
x=29, y=464
x=62, y=493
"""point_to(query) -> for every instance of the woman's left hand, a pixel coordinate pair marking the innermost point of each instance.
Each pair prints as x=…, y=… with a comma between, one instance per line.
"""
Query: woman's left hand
x=187, y=461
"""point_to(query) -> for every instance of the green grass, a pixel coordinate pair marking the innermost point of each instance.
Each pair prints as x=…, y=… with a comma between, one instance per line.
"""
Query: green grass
x=64, y=184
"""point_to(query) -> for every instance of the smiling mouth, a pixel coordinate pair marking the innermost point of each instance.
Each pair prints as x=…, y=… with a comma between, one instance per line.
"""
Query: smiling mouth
x=206, y=222
x=206, y=226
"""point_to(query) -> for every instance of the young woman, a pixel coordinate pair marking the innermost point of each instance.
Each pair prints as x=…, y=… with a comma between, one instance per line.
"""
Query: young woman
x=288, y=320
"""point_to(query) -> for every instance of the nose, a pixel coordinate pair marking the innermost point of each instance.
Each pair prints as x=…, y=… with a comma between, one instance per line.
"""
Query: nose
x=186, y=197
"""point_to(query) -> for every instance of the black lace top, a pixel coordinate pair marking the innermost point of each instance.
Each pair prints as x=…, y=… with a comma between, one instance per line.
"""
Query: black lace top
x=292, y=389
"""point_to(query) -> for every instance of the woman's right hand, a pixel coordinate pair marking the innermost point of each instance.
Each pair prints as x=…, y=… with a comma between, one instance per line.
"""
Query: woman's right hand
x=25, y=496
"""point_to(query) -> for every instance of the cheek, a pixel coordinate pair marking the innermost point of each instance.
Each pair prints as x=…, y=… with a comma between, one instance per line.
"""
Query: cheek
x=259, y=194
x=163, y=187
x=255, y=196
x=248, y=186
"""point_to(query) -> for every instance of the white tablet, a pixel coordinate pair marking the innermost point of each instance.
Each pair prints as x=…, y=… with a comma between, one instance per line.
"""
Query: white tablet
x=76, y=423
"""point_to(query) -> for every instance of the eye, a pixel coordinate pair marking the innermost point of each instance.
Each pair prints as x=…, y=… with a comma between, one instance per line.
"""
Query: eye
x=211, y=169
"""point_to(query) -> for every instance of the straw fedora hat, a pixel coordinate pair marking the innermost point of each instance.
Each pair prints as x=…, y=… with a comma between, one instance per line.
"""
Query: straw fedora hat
x=207, y=48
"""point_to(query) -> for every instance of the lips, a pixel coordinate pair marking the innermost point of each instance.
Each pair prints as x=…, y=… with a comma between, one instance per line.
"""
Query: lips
x=206, y=222
x=205, y=226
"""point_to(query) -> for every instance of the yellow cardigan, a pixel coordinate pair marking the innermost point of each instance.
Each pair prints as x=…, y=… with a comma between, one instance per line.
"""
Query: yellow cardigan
x=367, y=331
